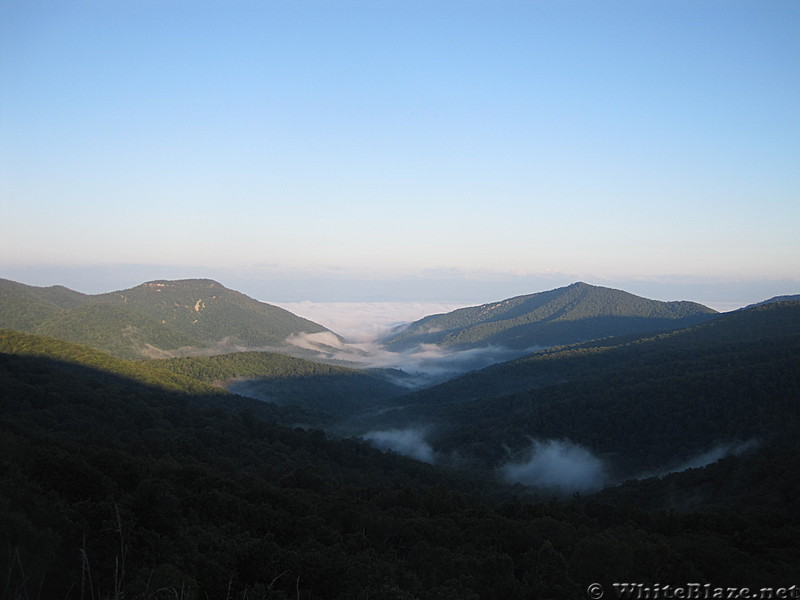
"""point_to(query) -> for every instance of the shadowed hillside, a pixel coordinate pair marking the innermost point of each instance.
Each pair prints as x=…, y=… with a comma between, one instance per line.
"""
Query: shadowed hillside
x=112, y=488
x=639, y=404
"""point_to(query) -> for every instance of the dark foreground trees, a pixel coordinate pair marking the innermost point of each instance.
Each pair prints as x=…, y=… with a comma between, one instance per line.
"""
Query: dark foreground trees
x=112, y=488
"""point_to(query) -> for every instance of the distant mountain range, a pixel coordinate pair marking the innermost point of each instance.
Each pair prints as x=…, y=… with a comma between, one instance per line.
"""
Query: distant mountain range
x=575, y=313
x=789, y=298
x=161, y=319
x=154, y=319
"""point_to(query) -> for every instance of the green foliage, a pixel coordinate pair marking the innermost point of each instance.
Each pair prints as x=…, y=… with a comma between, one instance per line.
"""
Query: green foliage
x=23, y=307
x=114, y=488
x=205, y=309
x=566, y=315
x=116, y=330
x=151, y=319
x=732, y=379
x=114, y=481
x=223, y=367
x=286, y=380
x=140, y=479
x=767, y=478
x=14, y=342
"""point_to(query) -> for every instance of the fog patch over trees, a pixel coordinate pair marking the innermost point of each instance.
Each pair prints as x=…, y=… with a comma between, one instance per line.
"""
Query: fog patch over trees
x=560, y=465
x=408, y=442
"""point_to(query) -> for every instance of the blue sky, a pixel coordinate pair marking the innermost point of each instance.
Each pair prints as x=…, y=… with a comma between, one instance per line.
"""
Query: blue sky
x=309, y=146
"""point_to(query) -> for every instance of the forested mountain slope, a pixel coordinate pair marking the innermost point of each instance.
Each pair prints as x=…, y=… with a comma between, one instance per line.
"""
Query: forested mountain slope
x=786, y=298
x=326, y=391
x=24, y=307
x=113, y=488
x=768, y=477
x=334, y=390
x=642, y=404
x=564, y=363
x=44, y=348
x=154, y=319
x=565, y=315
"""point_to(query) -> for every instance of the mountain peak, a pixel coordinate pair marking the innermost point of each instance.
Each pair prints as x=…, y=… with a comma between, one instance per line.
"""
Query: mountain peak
x=153, y=318
x=159, y=284
x=574, y=313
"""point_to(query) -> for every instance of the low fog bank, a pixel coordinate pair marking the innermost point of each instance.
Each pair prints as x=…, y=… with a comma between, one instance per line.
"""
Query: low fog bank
x=408, y=442
x=324, y=342
x=363, y=325
x=566, y=467
x=359, y=322
x=716, y=453
x=707, y=457
x=428, y=364
x=425, y=364
x=250, y=389
x=558, y=465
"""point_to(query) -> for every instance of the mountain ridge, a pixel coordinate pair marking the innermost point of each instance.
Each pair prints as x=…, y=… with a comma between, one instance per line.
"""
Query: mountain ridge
x=110, y=461
x=209, y=495
x=155, y=318
x=574, y=313
x=784, y=298
x=729, y=380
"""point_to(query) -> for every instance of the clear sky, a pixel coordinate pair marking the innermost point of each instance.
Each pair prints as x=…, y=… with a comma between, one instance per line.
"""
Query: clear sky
x=401, y=140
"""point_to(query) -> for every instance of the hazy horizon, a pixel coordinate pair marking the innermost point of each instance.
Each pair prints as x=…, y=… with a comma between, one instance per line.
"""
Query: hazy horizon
x=362, y=309
x=403, y=152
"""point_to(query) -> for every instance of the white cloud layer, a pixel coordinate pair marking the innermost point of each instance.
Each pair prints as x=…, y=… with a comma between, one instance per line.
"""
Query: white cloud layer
x=409, y=442
x=558, y=464
x=360, y=322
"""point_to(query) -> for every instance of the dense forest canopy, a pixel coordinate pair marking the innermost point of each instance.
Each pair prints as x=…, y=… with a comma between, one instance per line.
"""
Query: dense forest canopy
x=200, y=495
x=155, y=479
x=733, y=380
x=157, y=318
x=575, y=313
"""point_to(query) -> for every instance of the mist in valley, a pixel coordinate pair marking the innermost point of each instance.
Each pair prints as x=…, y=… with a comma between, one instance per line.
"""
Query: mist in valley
x=408, y=442
x=558, y=466
x=361, y=328
x=706, y=457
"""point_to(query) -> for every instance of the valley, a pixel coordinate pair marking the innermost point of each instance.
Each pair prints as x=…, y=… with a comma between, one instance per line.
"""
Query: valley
x=406, y=300
x=211, y=442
